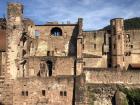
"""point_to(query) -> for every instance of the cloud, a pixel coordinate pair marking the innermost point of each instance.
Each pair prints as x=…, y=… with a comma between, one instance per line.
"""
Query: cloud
x=96, y=13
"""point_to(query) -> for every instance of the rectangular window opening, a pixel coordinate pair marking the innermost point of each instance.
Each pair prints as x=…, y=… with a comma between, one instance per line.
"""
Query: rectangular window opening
x=118, y=36
x=48, y=53
x=94, y=35
x=43, y=92
x=61, y=93
x=26, y=93
x=94, y=46
x=65, y=93
x=22, y=93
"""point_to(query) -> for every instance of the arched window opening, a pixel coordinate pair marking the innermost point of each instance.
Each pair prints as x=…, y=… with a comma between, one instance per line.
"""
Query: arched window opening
x=56, y=32
x=49, y=66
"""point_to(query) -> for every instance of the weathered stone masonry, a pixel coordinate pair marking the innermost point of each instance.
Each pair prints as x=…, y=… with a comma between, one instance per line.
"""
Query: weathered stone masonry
x=60, y=64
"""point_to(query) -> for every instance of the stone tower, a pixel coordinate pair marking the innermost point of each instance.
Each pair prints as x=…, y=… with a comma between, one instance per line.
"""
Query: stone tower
x=117, y=42
x=79, y=47
x=14, y=33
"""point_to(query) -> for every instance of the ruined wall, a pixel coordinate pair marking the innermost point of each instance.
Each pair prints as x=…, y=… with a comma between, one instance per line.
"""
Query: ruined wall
x=29, y=27
x=94, y=52
x=95, y=62
x=107, y=76
x=13, y=34
x=60, y=66
x=93, y=42
x=62, y=45
x=132, y=48
x=40, y=91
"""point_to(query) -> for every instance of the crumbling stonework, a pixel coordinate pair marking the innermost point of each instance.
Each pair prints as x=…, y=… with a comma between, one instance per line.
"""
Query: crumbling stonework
x=60, y=64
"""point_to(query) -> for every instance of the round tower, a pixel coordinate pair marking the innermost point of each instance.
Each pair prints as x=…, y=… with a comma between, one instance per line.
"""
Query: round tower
x=117, y=42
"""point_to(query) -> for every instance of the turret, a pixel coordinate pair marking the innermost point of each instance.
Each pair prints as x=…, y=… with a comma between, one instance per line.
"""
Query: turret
x=117, y=39
x=14, y=33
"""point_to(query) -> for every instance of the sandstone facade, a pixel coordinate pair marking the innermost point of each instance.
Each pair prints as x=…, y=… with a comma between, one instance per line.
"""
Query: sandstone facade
x=60, y=64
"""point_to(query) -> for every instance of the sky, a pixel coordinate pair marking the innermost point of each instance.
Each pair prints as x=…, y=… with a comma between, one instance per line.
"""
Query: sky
x=96, y=14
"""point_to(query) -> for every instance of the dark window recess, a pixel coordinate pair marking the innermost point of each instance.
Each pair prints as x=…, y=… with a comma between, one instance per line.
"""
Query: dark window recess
x=65, y=93
x=119, y=36
x=109, y=31
x=94, y=35
x=105, y=53
x=14, y=26
x=131, y=46
x=22, y=93
x=48, y=53
x=43, y=92
x=127, y=53
x=94, y=46
x=26, y=93
x=49, y=65
x=61, y=93
x=56, y=31
x=23, y=53
x=84, y=63
x=83, y=46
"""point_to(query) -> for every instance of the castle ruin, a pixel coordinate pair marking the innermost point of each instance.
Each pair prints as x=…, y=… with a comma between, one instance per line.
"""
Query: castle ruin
x=56, y=64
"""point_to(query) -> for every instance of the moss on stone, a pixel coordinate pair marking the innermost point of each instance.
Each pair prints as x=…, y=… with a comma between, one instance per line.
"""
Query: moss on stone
x=133, y=96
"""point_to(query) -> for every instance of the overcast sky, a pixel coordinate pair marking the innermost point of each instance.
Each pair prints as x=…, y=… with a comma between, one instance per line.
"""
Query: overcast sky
x=96, y=13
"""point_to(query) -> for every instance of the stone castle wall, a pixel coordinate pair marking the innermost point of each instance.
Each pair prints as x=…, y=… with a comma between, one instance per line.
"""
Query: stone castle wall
x=43, y=91
x=106, y=76
x=60, y=66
